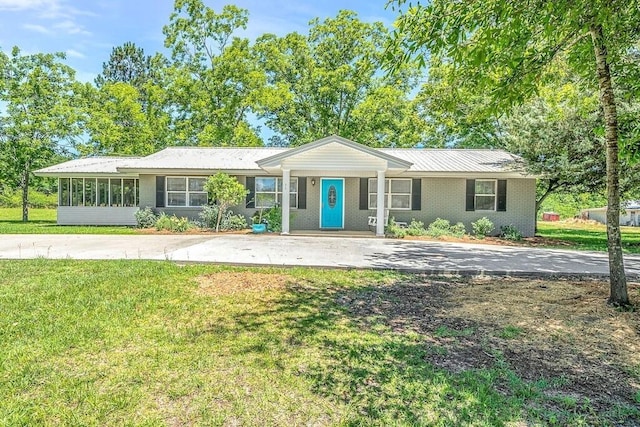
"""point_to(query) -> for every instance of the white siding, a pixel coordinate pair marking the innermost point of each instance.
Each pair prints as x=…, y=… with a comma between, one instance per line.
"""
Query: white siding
x=90, y=215
x=334, y=157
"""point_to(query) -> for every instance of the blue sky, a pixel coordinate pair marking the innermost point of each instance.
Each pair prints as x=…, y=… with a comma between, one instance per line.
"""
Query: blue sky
x=87, y=30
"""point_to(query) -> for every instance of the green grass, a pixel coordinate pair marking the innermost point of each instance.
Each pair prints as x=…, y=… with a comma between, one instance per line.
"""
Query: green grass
x=137, y=343
x=587, y=236
x=43, y=221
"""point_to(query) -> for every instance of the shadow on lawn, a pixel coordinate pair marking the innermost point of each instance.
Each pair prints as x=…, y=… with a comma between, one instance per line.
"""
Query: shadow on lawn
x=388, y=354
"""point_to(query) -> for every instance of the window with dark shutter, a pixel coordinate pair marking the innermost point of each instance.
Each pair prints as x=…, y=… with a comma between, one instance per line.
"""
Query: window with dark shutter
x=250, y=184
x=160, y=191
x=471, y=195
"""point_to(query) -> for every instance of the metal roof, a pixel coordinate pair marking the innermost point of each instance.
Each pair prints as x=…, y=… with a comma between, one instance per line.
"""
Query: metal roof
x=87, y=165
x=457, y=160
x=225, y=158
x=247, y=159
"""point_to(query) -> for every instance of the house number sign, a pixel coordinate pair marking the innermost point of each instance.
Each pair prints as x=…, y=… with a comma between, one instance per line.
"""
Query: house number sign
x=332, y=196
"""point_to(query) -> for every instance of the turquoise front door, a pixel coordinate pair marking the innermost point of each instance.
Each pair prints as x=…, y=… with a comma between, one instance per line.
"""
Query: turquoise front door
x=332, y=203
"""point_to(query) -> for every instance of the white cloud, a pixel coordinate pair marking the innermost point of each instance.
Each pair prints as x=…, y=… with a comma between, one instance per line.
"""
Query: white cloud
x=71, y=27
x=16, y=5
x=37, y=28
x=74, y=53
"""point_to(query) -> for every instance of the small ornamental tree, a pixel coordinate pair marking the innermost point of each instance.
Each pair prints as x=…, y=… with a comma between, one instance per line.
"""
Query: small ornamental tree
x=224, y=191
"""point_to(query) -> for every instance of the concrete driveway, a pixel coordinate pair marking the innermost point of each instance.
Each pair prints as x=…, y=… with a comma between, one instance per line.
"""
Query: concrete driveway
x=344, y=252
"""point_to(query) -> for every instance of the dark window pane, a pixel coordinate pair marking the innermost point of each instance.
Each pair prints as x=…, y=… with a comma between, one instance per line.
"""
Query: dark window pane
x=103, y=192
x=64, y=192
x=116, y=192
x=89, y=192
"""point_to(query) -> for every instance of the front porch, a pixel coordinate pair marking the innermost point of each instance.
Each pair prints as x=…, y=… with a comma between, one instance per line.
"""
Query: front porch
x=332, y=161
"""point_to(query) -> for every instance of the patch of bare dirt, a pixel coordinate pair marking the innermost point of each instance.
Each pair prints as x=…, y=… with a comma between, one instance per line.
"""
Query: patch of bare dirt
x=234, y=282
x=560, y=331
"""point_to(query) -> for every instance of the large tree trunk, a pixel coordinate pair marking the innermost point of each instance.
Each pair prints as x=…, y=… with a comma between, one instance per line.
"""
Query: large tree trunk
x=25, y=195
x=618, y=281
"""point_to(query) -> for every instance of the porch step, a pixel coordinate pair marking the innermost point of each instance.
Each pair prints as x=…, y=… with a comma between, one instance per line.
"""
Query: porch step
x=333, y=233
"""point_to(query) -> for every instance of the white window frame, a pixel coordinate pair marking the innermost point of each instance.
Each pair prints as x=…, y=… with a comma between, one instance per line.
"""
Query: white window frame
x=388, y=195
x=293, y=195
x=136, y=196
x=494, y=195
x=186, y=191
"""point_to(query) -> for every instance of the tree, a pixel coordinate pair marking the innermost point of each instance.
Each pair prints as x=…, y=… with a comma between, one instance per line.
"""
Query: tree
x=330, y=81
x=504, y=47
x=116, y=122
x=129, y=113
x=214, y=79
x=127, y=64
x=39, y=118
x=225, y=191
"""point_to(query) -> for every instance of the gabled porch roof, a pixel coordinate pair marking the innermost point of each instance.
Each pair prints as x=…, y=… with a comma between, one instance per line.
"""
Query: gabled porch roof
x=334, y=153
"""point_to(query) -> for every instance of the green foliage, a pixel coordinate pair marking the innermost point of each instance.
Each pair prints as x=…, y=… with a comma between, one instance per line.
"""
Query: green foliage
x=225, y=191
x=482, y=227
x=330, y=82
x=209, y=216
x=507, y=49
x=273, y=218
x=13, y=199
x=510, y=332
x=510, y=232
x=586, y=236
x=441, y=227
x=569, y=205
x=39, y=117
x=214, y=79
x=146, y=218
x=394, y=230
x=172, y=223
x=415, y=228
x=229, y=221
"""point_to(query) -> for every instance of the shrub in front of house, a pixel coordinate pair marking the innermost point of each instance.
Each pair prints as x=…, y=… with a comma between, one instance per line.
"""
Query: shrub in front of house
x=173, y=223
x=146, y=218
x=394, y=230
x=510, y=232
x=482, y=227
x=416, y=228
x=231, y=222
x=442, y=227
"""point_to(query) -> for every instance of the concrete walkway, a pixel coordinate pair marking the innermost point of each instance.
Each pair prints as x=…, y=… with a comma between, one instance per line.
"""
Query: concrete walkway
x=343, y=252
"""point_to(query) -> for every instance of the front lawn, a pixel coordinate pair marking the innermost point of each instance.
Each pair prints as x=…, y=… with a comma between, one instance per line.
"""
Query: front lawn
x=586, y=235
x=43, y=221
x=155, y=343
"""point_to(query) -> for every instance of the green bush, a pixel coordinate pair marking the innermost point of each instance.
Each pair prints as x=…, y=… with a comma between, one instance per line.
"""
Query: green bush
x=482, y=227
x=13, y=199
x=510, y=232
x=209, y=216
x=233, y=222
x=438, y=228
x=416, y=228
x=442, y=227
x=273, y=218
x=146, y=218
x=393, y=230
x=458, y=230
x=172, y=223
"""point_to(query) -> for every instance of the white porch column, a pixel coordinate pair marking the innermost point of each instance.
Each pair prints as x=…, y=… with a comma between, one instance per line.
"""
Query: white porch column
x=286, y=188
x=380, y=206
